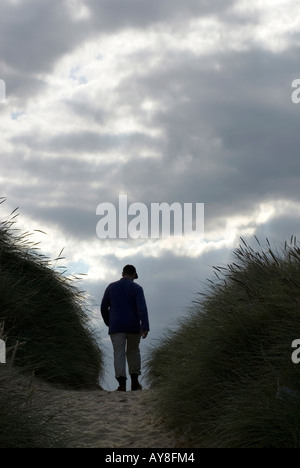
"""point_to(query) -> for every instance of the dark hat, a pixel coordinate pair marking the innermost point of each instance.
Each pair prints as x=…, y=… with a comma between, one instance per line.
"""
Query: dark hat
x=130, y=270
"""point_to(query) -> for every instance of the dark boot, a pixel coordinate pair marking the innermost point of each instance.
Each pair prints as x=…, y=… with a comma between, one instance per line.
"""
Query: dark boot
x=135, y=385
x=122, y=384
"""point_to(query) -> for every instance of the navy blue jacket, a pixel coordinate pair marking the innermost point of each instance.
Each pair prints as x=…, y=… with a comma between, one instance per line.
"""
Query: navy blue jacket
x=124, y=308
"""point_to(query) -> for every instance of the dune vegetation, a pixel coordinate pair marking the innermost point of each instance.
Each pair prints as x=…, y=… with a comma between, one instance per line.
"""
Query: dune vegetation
x=224, y=377
x=44, y=322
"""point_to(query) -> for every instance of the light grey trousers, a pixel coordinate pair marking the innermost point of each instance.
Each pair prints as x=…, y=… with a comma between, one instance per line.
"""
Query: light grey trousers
x=126, y=345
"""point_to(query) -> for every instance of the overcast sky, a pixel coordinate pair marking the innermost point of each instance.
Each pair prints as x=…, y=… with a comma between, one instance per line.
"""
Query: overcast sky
x=164, y=101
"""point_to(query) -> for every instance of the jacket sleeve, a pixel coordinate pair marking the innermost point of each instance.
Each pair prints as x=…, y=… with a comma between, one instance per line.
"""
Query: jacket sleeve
x=142, y=310
x=105, y=305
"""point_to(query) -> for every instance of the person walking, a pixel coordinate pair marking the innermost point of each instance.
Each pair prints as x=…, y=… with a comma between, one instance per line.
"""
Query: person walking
x=124, y=311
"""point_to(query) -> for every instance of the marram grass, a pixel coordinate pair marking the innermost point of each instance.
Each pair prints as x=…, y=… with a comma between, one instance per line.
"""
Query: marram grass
x=44, y=322
x=225, y=377
x=44, y=315
x=24, y=421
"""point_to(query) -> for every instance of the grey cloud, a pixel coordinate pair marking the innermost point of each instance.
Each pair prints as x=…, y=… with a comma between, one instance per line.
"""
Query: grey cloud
x=94, y=142
x=35, y=34
x=75, y=222
x=84, y=141
x=90, y=112
x=113, y=14
x=279, y=229
x=237, y=124
x=22, y=86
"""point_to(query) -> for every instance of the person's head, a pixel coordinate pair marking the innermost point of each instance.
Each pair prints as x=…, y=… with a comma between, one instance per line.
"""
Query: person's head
x=129, y=272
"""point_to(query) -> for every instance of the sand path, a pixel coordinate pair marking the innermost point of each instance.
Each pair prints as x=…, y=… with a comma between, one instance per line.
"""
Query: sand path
x=102, y=419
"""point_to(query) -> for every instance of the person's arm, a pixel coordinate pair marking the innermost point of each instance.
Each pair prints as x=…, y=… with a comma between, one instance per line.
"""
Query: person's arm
x=143, y=312
x=105, y=305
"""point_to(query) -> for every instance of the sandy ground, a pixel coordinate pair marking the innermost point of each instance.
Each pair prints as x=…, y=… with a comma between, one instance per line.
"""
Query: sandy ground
x=102, y=419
